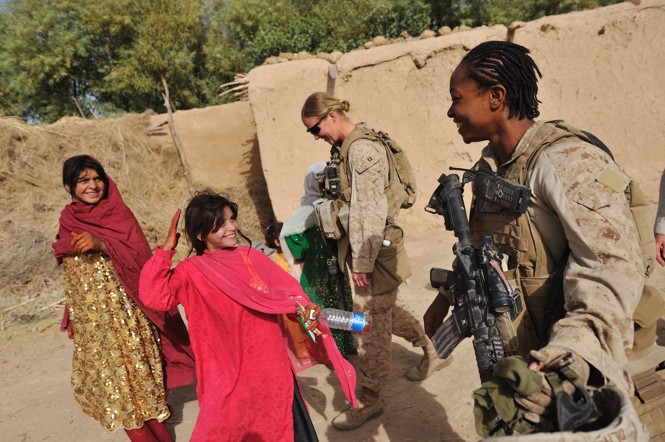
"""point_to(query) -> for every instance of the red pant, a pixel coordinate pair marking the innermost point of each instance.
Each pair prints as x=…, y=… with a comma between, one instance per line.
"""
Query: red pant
x=151, y=431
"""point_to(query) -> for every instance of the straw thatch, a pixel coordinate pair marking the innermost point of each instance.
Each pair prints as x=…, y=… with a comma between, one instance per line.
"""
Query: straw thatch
x=147, y=171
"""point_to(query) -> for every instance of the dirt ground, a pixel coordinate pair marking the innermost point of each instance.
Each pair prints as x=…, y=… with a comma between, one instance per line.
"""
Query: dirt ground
x=37, y=402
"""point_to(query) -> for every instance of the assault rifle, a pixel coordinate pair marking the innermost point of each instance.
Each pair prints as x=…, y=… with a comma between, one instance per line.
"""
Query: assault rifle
x=480, y=291
x=489, y=186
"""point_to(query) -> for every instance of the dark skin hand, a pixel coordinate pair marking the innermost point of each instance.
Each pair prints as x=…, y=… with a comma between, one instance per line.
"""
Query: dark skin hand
x=436, y=312
x=313, y=311
x=173, y=236
x=309, y=315
x=660, y=248
x=70, y=329
x=86, y=242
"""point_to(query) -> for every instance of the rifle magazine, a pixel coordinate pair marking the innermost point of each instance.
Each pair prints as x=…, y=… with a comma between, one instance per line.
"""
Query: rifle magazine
x=447, y=337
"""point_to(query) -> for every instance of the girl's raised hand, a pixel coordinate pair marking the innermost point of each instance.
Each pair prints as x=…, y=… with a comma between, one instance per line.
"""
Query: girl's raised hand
x=173, y=236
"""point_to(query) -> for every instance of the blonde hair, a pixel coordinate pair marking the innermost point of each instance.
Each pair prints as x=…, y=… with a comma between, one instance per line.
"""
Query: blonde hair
x=318, y=104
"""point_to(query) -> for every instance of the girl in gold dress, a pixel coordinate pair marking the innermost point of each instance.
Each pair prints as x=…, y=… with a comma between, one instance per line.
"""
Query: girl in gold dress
x=117, y=367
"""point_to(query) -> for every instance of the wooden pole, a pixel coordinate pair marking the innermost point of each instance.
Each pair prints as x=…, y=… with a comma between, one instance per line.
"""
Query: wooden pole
x=176, y=141
x=78, y=106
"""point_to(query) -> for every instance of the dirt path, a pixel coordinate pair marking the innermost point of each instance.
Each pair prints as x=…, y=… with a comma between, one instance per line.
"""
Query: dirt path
x=37, y=403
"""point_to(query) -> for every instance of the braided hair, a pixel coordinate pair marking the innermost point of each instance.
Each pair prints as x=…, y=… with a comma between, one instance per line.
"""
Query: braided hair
x=507, y=64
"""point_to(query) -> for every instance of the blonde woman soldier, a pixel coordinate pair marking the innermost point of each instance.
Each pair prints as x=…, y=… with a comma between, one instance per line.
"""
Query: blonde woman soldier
x=372, y=246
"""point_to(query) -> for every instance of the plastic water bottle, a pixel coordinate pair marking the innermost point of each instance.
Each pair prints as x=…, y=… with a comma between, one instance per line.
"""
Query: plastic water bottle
x=343, y=320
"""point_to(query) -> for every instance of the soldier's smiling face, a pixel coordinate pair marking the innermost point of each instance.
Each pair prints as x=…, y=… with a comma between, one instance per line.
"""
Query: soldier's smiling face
x=323, y=128
x=470, y=107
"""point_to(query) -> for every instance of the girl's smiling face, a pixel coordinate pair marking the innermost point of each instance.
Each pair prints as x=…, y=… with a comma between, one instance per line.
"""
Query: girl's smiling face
x=89, y=187
x=225, y=235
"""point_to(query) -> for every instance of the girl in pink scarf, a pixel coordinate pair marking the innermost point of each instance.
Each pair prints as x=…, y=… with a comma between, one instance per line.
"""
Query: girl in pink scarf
x=234, y=297
x=117, y=373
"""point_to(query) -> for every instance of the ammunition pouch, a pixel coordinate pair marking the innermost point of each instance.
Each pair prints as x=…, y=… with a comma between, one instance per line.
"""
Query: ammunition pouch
x=650, y=402
x=332, y=216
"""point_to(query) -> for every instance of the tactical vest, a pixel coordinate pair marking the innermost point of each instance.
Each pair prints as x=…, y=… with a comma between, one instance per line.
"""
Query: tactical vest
x=392, y=265
x=393, y=188
x=530, y=264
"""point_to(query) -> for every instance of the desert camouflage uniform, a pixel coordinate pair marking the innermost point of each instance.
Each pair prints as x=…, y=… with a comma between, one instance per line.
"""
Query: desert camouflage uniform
x=368, y=166
x=604, y=274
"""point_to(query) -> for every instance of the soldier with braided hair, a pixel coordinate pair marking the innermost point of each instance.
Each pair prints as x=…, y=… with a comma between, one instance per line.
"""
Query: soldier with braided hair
x=574, y=255
x=497, y=63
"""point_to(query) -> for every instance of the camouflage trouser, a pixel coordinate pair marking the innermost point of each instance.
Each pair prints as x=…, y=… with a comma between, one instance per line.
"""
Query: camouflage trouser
x=389, y=317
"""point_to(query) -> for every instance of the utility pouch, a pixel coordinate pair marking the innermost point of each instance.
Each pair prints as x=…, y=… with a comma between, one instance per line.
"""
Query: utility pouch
x=332, y=216
x=507, y=331
x=392, y=266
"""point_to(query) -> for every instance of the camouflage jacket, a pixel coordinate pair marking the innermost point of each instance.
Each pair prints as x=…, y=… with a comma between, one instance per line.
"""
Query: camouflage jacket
x=603, y=277
x=368, y=208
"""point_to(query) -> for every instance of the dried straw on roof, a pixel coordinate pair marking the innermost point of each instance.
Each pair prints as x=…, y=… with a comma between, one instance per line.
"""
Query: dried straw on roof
x=148, y=173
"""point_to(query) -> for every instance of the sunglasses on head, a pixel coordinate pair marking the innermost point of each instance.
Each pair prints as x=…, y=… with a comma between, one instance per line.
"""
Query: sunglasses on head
x=314, y=130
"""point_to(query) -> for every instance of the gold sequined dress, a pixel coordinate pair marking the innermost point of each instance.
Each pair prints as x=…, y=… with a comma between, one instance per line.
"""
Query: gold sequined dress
x=116, y=368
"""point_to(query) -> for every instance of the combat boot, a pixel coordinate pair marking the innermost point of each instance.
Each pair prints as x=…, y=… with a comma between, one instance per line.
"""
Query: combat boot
x=369, y=407
x=429, y=363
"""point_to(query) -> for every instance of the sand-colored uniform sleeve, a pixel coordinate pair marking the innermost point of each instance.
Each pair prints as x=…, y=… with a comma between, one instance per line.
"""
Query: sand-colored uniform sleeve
x=579, y=192
x=160, y=285
x=368, y=209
